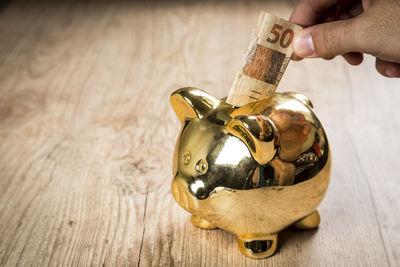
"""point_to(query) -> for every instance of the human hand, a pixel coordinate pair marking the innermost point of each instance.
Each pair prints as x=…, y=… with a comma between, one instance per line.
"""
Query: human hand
x=350, y=28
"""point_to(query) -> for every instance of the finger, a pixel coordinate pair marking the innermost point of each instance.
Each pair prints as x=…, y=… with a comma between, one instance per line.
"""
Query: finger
x=366, y=4
x=307, y=12
x=341, y=11
x=388, y=69
x=327, y=40
x=329, y=58
x=354, y=58
x=350, y=9
x=329, y=15
x=296, y=58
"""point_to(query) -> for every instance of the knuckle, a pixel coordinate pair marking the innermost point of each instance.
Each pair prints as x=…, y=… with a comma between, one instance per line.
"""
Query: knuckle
x=332, y=40
x=375, y=30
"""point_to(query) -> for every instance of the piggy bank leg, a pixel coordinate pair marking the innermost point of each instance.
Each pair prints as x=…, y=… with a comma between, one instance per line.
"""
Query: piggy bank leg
x=201, y=223
x=311, y=221
x=258, y=246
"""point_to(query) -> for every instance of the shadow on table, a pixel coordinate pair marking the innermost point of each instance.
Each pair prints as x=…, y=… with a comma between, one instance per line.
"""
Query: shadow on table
x=292, y=235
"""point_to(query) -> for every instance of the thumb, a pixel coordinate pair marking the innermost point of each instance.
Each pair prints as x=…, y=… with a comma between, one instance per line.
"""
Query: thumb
x=326, y=40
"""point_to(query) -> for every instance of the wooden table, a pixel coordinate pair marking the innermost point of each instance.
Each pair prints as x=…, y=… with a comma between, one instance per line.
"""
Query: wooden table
x=87, y=134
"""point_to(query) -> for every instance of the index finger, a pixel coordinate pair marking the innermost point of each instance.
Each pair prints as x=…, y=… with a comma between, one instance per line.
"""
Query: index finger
x=307, y=12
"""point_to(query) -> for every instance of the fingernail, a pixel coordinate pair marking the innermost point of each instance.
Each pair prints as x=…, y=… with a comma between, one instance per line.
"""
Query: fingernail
x=303, y=45
x=392, y=73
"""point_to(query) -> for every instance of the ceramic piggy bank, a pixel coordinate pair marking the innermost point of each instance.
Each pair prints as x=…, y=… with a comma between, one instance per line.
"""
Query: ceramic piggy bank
x=253, y=170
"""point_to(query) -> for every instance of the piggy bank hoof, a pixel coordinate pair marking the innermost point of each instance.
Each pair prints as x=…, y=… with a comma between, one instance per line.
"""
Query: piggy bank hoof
x=258, y=246
x=311, y=221
x=201, y=223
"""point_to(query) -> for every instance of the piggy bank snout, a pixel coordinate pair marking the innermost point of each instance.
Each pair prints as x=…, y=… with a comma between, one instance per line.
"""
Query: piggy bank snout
x=180, y=191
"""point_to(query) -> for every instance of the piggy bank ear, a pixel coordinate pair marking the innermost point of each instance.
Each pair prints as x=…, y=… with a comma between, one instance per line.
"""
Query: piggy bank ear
x=258, y=133
x=189, y=103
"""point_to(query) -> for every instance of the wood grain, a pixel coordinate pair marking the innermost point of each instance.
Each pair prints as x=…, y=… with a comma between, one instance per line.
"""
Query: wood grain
x=87, y=133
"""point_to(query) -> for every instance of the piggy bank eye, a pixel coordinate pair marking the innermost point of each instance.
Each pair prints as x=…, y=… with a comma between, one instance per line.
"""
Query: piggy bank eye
x=201, y=166
x=186, y=158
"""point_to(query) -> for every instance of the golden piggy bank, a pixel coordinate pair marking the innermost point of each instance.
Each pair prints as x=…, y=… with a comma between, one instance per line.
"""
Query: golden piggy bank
x=253, y=170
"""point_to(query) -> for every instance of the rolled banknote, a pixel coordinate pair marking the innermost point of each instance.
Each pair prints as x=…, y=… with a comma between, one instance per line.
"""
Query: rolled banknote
x=265, y=60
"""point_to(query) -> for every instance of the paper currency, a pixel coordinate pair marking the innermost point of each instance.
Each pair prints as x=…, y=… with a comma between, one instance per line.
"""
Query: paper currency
x=265, y=60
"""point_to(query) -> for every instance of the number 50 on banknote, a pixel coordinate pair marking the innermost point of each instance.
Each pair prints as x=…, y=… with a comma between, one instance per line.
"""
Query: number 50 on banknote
x=265, y=60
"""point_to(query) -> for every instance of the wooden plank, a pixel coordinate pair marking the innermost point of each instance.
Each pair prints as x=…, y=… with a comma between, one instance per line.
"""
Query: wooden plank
x=86, y=137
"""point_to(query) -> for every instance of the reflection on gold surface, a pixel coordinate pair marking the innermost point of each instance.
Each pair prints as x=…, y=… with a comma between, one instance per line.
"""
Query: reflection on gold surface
x=253, y=170
x=294, y=131
x=232, y=153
